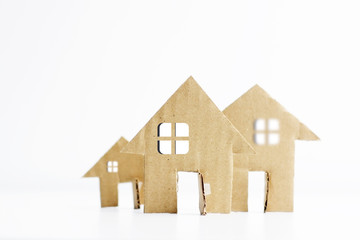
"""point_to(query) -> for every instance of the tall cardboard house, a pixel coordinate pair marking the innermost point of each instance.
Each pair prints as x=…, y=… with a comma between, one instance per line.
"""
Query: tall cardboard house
x=272, y=131
x=116, y=167
x=189, y=133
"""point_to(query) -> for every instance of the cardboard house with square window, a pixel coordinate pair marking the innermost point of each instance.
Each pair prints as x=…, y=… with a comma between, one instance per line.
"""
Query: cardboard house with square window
x=189, y=133
x=116, y=167
x=272, y=131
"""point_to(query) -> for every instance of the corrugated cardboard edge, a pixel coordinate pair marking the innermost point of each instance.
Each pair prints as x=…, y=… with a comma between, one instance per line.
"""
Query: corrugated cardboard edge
x=267, y=183
x=202, y=202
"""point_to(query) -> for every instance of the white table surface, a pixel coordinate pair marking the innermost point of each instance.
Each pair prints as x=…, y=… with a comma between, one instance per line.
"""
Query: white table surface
x=77, y=215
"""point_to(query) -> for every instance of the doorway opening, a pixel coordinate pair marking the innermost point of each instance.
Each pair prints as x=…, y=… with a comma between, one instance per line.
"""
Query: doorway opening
x=125, y=191
x=189, y=191
x=257, y=191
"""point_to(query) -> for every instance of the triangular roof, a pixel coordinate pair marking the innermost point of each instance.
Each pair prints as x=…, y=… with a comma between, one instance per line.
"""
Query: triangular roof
x=258, y=95
x=187, y=91
x=96, y=170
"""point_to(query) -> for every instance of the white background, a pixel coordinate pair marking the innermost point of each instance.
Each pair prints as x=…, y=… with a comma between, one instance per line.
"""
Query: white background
x=77, y=75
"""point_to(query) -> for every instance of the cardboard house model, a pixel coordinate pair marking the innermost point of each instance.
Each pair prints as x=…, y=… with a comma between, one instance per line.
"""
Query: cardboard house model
x=189, y=133
x=116, y=167
x=272, y=131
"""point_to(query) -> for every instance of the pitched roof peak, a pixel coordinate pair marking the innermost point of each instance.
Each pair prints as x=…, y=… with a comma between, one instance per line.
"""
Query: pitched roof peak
x=190, y=81
x=256, y=88
x=190, y=103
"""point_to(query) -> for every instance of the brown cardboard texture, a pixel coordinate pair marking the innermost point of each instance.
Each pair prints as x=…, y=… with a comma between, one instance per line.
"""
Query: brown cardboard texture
x=189, y=133
x=116, y=167
x=272, y=131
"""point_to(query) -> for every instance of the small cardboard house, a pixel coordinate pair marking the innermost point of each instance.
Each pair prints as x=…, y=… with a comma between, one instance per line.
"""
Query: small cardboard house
x=117, y=167
x=189, y=133
x=272, y=131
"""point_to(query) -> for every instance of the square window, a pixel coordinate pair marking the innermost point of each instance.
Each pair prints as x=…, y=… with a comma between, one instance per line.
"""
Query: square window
x=181, y=130
x=266, y=131
x=259, y=125
x=273, y=138
x=259, y=138
x=112, y=166
x=273, y=124
x=173, y=139
x=164, y=147
x=181, y=147
x=164, y=130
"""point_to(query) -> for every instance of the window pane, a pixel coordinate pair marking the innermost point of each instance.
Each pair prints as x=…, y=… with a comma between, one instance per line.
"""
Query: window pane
x=259, y=138
x=164, y=130
x=273, y=124
x=181, y=130
x=109, y=169
x=115, y=163
x=259, y=125
x=274, y=138
x=164, y=147
x=115, y=169
x=109, y=164
x=181, y=147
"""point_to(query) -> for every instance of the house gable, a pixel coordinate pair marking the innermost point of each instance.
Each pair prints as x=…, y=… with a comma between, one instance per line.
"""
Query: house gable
x=98, y=170
x=188, y=101
x=257, y=104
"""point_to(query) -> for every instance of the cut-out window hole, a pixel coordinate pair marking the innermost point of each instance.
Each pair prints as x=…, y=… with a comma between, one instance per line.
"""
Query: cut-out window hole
x=164, y=147
x=273, y=124
x=259, y=125
x=164, y=130
x=267, y=131
x=181, y=130
x=181, y=147
x=173, y=138
x=259, y=138
x=112, y=166
x=273, y=138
